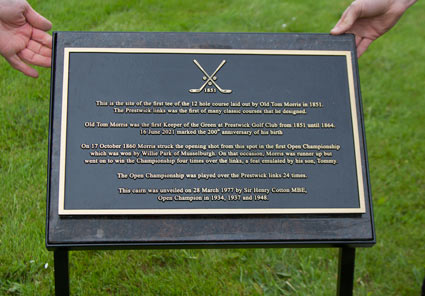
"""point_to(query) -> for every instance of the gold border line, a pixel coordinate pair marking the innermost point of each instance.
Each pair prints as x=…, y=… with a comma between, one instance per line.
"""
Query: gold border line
x=64, y=122
x=355, y=132
x=207, y=51
x=213, y=211
x=359, y=170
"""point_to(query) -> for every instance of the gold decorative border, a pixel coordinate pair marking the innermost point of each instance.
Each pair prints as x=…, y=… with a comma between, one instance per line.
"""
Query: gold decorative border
x=359, y=170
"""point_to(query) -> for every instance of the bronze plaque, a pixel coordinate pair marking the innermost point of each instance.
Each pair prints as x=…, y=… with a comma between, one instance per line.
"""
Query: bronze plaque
x=209, y=131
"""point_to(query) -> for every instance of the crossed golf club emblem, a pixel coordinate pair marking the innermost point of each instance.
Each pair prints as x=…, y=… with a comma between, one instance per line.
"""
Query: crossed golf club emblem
x=210, y=79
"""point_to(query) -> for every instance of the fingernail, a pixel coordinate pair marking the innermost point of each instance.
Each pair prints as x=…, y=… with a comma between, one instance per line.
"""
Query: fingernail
x=335, y=29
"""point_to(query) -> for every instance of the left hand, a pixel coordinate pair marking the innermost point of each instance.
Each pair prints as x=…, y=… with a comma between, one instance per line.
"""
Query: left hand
x=369, y=19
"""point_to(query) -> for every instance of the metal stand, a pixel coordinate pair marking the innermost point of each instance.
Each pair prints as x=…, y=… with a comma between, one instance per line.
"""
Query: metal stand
x=346, y=271
x=344, y=287
x=61, y=272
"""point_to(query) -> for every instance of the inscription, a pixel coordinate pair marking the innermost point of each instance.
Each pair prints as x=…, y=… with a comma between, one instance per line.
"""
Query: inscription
x=296, y=158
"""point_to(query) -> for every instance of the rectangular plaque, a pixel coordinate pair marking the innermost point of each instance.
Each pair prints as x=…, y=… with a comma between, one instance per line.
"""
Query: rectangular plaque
x=212, y=124
x=151, y=131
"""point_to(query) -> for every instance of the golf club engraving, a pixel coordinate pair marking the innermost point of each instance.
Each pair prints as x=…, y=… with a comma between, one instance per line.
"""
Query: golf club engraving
x=210, y=80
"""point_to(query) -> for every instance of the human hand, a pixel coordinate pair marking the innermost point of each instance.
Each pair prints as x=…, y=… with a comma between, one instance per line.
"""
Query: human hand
x=23, y=37
x=369, y=19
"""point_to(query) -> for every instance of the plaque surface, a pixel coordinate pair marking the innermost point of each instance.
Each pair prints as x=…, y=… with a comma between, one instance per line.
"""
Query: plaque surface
x=206, y=125
x=139, y=140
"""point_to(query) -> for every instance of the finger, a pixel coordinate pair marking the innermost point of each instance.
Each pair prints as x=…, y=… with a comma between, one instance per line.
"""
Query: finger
x=33, y=58
x=39, y=48
x=36, y=20
x=350, y=15
x=42, y=37
x=364, y=44
x=358, y=40
x=19, y=65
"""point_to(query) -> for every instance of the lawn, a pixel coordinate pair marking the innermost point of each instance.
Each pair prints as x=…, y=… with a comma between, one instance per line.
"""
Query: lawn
x=392, y=74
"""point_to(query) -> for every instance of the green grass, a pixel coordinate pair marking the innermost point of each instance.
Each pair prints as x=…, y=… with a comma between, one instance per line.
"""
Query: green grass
x=392, y=76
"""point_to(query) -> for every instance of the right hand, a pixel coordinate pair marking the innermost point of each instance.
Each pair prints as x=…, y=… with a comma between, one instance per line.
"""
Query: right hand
x=23, y=37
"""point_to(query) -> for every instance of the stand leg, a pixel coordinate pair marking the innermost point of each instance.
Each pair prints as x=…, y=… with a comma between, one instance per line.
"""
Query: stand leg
x=346, y=271
x=61, y=273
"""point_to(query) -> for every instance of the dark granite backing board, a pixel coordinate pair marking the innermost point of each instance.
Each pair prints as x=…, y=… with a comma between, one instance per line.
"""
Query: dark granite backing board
x=198, y=230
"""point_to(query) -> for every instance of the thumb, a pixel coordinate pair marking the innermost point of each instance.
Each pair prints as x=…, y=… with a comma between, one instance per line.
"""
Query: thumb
x=36, y=20
x=350, y=15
